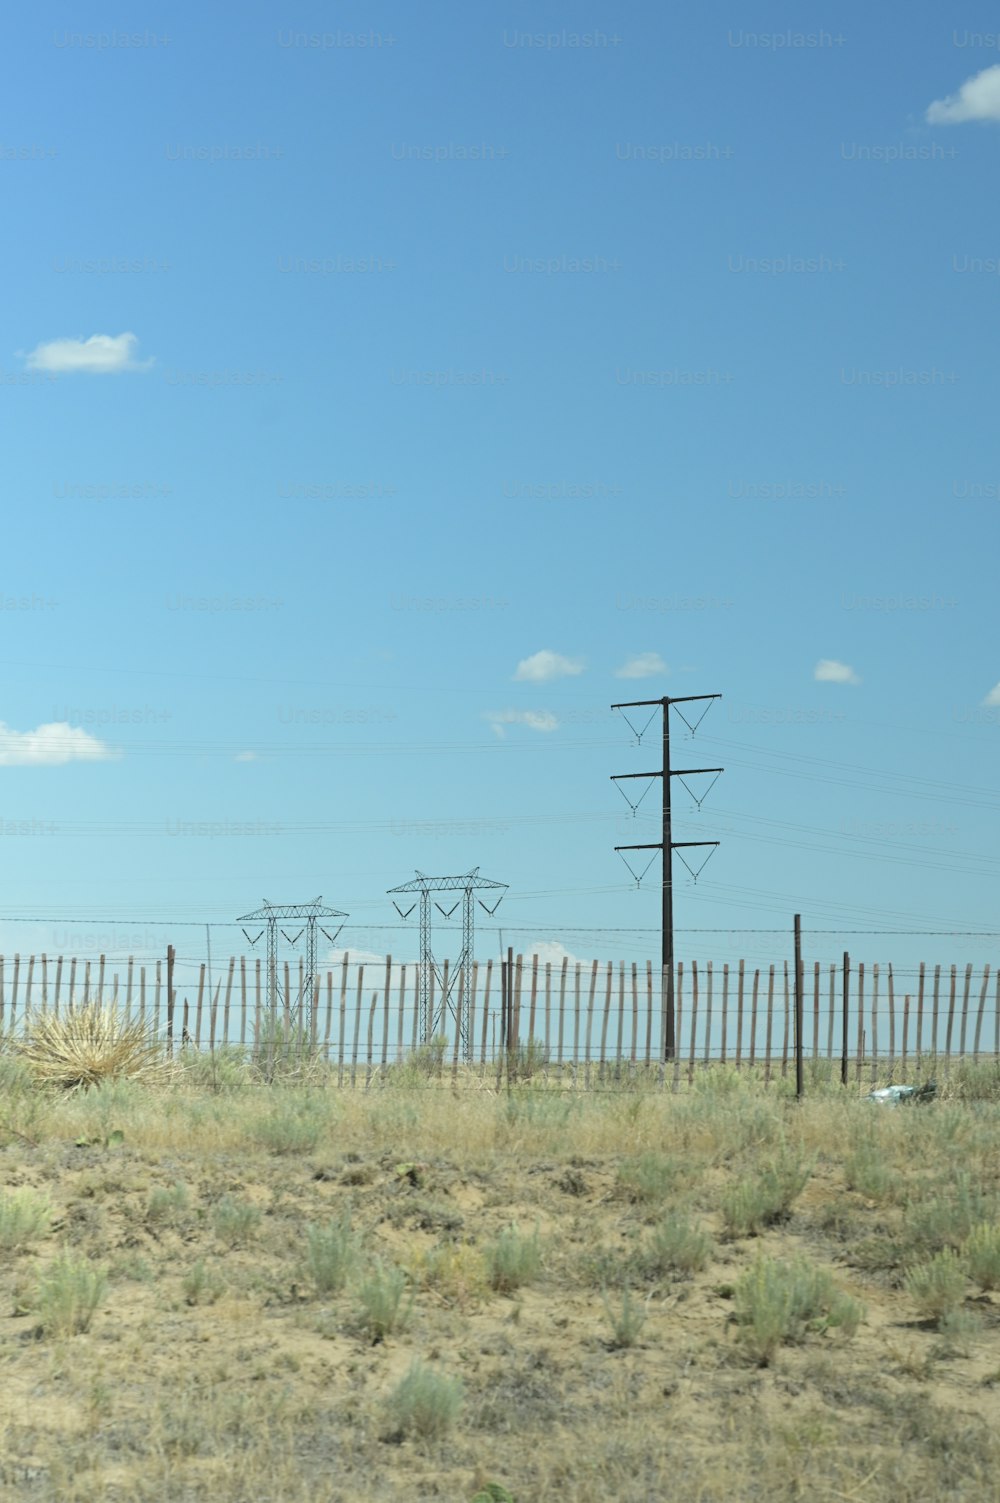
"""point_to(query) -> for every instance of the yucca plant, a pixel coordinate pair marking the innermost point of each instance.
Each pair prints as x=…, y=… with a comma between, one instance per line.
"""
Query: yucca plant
x=88, y=1045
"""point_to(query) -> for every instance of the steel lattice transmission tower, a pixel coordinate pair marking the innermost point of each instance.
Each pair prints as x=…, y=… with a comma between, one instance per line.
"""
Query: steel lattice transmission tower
x=467, y=884
x=271, y=913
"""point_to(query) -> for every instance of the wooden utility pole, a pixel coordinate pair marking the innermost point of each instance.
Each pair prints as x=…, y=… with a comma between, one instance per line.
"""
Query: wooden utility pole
x=667, y=845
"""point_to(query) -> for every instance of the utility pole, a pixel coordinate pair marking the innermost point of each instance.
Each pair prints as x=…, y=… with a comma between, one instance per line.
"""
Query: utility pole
x=667, y=845
x=429, y=972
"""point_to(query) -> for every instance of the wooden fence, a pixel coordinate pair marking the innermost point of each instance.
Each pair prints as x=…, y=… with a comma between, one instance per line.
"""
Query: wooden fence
x=599, y=1016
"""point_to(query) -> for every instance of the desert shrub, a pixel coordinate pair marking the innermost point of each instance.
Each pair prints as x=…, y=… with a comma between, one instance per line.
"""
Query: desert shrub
x=512, y=1260
x=380, y=1306
x=427, y=1058
x=87, y=1045
x=651, y=1177
x=292, y=1126
x=751, y=1204
x=974, y=1080
x=284, y=1051
x=455, y=1271
x=24, y=1216
x=233, y=1220
x=527, y=1059
x=752, y=1125
x=945, y=1218
x=223, y=1071
x=981, y=1252
x=779, y=1301
x=719, y=1080
x=424, y=1403
x=744, y=1209
x=866, y=1171
x=69, y=1292
x=626, y=1319
x=201, y=1285
x=537, y=1109
x=958, y=1330
x=937, y=1287
x=168, y=1205
x=676, y=1246
x=331, y=1254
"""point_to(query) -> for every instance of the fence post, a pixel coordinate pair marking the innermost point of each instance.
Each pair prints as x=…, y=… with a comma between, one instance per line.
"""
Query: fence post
x=799, y=1082
x=845, y=1041
x=170, y=996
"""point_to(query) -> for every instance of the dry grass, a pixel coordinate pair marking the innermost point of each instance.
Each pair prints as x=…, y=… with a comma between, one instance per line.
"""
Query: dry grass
x=268, y=1352
x=88, y=1045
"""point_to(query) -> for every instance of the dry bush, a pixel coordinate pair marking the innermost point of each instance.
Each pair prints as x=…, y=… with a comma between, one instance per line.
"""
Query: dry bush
x=88, y=1045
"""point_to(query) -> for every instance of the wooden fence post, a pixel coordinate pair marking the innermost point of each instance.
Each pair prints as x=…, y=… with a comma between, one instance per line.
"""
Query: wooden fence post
x=982, y=1008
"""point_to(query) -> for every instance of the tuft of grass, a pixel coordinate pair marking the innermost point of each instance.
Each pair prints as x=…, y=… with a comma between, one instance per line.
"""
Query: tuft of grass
x=292, y=1127
x=424, y=1403
x=331, y=1255
x=285, y=1053
x=958, y=1330
x=513, y=1260
x=381, y=1310
x=651, y=1177
x=87, y=1045
x=426, y=1060
x=945, y=1219
x=866, y=1171
x=168, y=1205
x=223, y=1071
x=24, y=1216
x=69, y=1292
x=676, y=1246
x=233, y=1220
x=528, y=1059
x=454, y=1271
x=626, y=1321
x=778, y=1301
x=981, y=1251
x=201, y=1285
x=937, y=1287
x=974, y=1080
x=752, y=1204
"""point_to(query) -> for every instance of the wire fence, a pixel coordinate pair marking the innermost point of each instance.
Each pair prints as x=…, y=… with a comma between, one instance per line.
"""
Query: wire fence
x=571, y=1018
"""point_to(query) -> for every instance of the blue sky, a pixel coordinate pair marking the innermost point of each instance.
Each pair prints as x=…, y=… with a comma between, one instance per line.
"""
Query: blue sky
x=382, y=383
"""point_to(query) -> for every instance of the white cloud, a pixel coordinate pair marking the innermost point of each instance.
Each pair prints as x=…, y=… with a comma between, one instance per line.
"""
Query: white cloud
x=829, y=671
x=545, y=665
x=354, y=958
x=643, y=665
x=51, y=745
x=246, y=756
x=101, y=354
x=549, y=950
x=977, y=99
x=535, y=720
x=993, y=697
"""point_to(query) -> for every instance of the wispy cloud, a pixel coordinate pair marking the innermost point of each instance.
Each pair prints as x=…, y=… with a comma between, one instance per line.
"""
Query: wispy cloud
x=829, y=671
x=246, y=756
x=354, y=957
x=993, y=697
x=100, y=355
x=549, y=950
x=643, y=665
x=545, y=665
x=51, y=745
x=535, y=720
x=977, y=99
